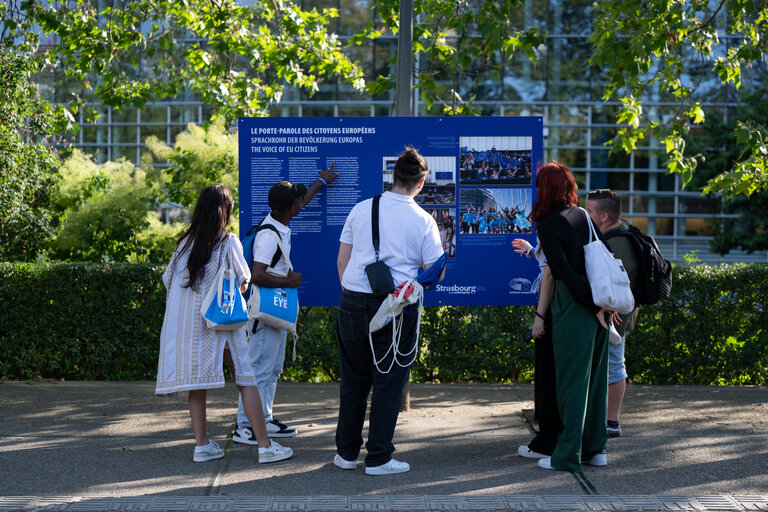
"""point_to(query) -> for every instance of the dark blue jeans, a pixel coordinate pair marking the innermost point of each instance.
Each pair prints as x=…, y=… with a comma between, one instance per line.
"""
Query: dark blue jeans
x=359, y=376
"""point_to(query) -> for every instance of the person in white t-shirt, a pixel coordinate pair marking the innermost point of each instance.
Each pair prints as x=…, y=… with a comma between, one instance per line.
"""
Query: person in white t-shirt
x=266, y=344
x=409, y=241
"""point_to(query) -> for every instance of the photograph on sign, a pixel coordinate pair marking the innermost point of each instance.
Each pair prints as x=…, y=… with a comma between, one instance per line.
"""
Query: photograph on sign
x=446, y=225
x=491, y=161
x=495, y=211
x=439, y=185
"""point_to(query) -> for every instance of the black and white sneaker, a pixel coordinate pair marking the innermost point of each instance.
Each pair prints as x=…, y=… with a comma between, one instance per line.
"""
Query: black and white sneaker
x=613, y=429
x=244, y=435
x=277, y=428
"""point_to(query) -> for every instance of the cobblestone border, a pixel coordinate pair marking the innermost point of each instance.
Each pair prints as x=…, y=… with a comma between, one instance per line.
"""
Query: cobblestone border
x=381, y=503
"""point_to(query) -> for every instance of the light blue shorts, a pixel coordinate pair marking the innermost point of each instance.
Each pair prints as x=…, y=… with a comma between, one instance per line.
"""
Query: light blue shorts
x=617, y=369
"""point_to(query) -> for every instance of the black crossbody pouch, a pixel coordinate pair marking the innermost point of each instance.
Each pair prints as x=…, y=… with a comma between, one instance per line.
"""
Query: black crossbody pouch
x=379, y=275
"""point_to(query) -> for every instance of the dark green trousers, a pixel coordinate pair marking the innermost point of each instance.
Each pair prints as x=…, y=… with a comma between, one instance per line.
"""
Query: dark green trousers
x=581, y=366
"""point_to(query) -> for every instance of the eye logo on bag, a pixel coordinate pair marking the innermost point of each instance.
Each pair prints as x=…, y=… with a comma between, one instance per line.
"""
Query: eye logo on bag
x=280, y=298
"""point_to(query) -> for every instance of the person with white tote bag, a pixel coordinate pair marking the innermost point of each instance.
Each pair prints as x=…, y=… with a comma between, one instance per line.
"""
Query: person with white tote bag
x=579, y=327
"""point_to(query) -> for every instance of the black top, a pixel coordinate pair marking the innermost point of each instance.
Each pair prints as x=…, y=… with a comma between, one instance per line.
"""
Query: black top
x=563, y=233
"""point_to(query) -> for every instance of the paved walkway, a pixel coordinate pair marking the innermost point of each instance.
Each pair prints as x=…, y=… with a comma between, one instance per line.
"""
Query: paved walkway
x=114, y=446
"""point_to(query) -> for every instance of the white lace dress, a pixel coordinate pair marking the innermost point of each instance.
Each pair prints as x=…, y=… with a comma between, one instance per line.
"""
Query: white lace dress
x=191, y=354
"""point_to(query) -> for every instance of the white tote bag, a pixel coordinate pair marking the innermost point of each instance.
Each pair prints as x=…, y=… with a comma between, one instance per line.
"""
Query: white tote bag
x=607, y=277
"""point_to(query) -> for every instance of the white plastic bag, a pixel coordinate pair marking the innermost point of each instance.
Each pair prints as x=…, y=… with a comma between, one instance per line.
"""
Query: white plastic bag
x=607, y=277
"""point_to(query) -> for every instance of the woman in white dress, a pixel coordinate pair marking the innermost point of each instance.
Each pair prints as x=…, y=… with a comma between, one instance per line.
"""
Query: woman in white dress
x=191, y=354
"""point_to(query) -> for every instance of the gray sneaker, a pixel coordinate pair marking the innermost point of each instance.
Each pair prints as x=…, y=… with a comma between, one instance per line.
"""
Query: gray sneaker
x=210, y=452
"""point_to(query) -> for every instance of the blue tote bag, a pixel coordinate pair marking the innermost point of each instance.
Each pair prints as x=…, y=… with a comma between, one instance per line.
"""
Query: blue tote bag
x=224, y=307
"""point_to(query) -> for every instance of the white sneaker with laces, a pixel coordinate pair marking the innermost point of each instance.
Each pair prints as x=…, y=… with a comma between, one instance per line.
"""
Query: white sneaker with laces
x=526, y=452
x=208, y=452
x=276, y=428
x=341, y=462
x=244, y=435
x=274, y=452
x=598, y=459
x=390, y=468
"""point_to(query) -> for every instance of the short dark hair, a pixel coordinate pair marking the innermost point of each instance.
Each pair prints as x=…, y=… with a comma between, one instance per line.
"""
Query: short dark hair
x=608, y=201
x=410, y=168
x=283, y=194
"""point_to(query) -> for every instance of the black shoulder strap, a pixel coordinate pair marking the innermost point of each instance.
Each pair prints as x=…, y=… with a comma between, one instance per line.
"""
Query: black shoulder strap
x=278, y=253
x=616, y=232
x=375, y=224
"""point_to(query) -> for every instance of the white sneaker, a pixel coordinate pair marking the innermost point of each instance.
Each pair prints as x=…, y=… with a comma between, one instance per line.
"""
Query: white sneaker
x=341, y=462
x=276, y=428
x=244, y=435
x=209, y=452
x=390, y=468
x=526, y=452
x=546, y=463
x=274, y=452
x=598, y=459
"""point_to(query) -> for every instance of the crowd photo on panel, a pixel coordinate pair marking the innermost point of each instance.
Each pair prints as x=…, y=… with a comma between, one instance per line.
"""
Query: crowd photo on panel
x=497, y=167
x=495, y=211
x=386, y=241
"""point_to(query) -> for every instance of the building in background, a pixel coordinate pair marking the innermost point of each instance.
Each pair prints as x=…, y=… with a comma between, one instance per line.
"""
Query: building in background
x=561, y=88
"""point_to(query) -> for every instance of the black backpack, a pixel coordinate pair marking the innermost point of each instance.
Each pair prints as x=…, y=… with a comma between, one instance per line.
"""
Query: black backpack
x=654, y=278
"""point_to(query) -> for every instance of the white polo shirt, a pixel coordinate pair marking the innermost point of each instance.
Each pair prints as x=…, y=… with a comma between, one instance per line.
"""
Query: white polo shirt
x=408, y=240
x=265, y=245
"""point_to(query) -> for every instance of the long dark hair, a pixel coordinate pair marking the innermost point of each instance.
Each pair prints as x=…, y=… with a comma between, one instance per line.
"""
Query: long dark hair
x=557, y=187
x=210, y=220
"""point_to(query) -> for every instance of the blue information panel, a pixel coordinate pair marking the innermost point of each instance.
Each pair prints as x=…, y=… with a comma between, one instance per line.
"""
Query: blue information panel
x=480, y=190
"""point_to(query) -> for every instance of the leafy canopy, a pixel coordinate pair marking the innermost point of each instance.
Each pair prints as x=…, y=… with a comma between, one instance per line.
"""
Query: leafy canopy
x=650, y=48
x=452, y=37
x=236, y=57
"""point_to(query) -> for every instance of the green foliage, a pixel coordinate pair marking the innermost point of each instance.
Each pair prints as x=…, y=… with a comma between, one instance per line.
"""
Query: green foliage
x=80, y=321
x=479, y=344
x=712, y=329
x=452, y=37
x=721, y=144
x=199, y=157
x=29, y=166
x=107, y=214
x=236, y=57
x=653, y=48
x=95, y=321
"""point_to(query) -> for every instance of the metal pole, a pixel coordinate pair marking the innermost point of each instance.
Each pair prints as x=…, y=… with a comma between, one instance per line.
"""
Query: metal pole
x=404, y=91
x=404, y=99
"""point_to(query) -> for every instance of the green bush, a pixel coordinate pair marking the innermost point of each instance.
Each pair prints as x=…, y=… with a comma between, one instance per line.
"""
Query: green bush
x=102, y=322
x=80, y=321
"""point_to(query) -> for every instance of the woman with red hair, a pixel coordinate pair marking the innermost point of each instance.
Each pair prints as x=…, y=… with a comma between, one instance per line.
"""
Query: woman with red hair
x=579, y=328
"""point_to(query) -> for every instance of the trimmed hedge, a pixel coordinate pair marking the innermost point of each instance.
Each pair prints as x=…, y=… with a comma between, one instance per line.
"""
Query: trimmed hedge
x=79, y=321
